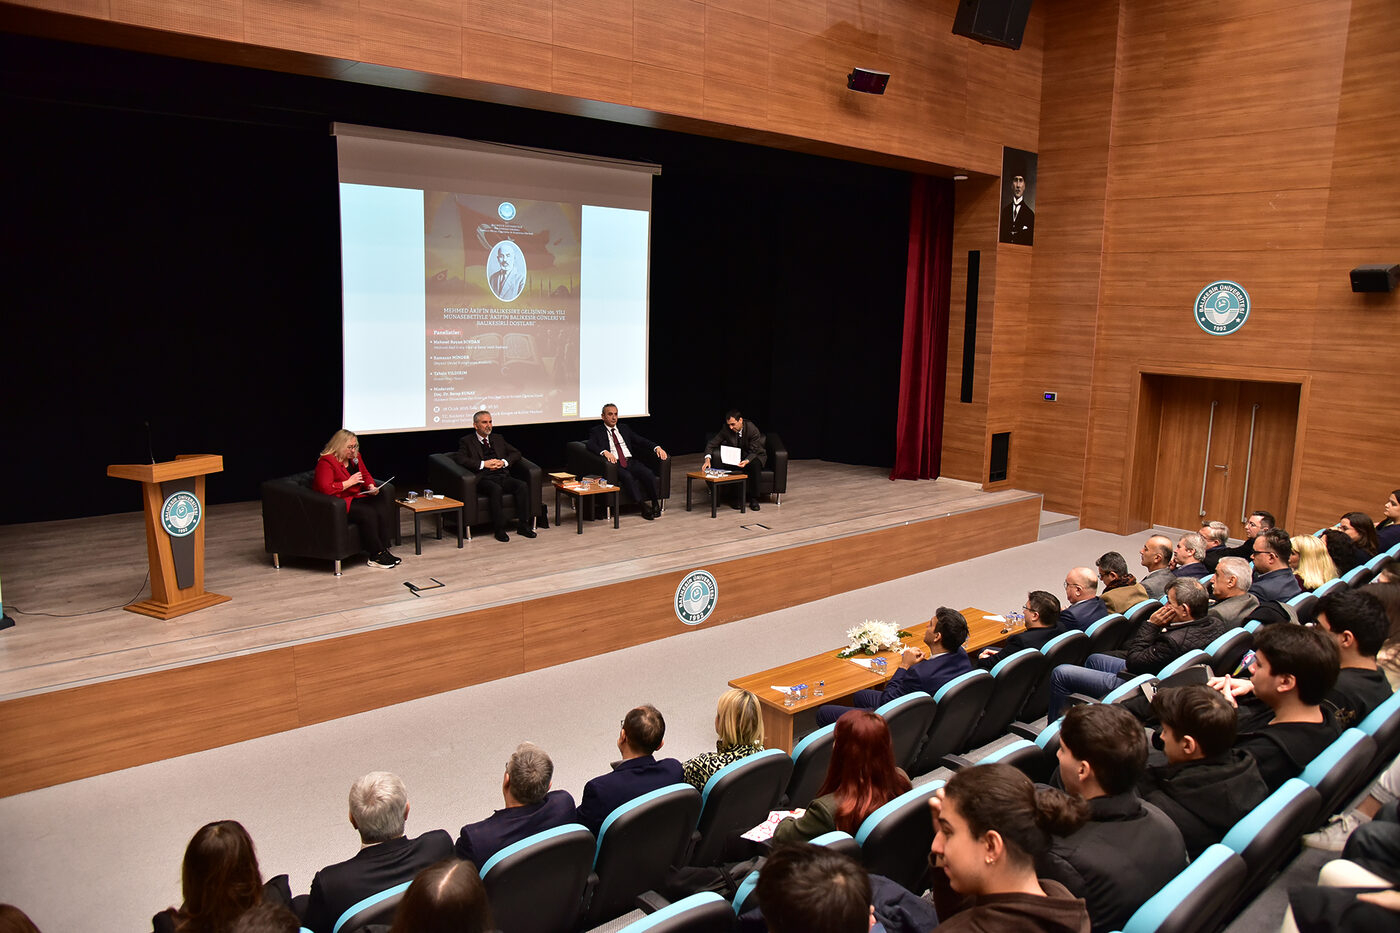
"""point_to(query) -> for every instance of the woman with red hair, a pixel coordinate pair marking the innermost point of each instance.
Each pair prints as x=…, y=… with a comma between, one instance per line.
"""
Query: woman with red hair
x=861, y=778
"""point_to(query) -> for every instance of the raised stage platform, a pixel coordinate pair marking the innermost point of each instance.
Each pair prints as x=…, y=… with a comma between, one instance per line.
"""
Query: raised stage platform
x=86, y=687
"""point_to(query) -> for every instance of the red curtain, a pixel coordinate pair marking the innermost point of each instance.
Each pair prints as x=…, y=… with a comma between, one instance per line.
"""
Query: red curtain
x=924, y=360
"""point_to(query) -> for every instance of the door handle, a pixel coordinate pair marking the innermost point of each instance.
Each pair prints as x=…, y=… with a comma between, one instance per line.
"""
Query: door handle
x=1248, y=464
x=1205, y=467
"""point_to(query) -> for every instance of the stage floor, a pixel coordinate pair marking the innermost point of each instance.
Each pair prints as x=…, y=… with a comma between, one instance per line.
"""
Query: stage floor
x=65, y=581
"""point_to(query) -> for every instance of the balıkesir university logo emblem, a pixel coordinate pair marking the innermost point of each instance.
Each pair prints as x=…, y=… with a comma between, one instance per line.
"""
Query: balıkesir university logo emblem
x=1222, y=308
x=696, y=597
x=180, y=514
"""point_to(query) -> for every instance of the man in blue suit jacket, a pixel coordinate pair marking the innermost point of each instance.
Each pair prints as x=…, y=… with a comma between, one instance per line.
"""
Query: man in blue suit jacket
x=531, y=807
x=918, y=670
x=638, y=773
x=617, y=443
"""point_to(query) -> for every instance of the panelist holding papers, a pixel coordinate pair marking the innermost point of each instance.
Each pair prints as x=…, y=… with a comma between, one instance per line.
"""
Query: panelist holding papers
x=739, y=446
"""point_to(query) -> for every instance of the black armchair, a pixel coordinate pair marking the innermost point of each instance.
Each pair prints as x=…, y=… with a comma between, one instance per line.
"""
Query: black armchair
x=581, y=461
x=300, y=522
x=446, y=475
x=773, y=478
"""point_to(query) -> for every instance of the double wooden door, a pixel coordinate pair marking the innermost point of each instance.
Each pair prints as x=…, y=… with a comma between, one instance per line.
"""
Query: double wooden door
x=1224, y=449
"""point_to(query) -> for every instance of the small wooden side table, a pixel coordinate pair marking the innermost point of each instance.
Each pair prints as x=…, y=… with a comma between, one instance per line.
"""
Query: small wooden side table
x=578, y=491
x=438, y=504
x=714, y=482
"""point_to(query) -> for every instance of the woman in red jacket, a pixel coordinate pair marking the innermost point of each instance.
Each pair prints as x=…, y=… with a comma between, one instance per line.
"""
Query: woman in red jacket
x=340, y=472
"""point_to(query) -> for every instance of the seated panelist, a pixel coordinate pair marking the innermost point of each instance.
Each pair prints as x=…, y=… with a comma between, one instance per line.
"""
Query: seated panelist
x=491, y=458
x=340, y=472
x=753, y=455
x=617, y=443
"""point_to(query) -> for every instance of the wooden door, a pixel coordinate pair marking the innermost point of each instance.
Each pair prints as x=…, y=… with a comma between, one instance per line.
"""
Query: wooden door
x=1224, y=448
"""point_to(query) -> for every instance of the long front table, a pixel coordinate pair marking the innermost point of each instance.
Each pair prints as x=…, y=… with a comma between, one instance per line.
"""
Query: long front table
x=843, y=678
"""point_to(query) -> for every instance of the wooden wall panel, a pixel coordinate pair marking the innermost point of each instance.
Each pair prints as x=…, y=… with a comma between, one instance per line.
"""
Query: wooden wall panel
x=221, y=19
x=327, y=27
x=669, y=34
x=389, y=36
x=487, y=56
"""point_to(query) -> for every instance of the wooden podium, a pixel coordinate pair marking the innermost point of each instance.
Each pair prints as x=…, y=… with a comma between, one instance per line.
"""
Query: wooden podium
x=174, y=497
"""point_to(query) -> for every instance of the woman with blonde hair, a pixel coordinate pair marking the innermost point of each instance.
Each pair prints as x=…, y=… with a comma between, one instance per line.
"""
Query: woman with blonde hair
x=1312, y=565
x=739, y=728
x=340, y=472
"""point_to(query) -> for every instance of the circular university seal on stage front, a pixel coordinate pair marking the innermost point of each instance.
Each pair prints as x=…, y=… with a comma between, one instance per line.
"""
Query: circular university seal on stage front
x=1222, y=308
x=696, y=597
x=180, y=514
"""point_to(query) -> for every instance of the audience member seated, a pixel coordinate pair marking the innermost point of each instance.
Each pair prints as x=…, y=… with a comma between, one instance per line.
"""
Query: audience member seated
x=861, y=778
x=219, y=881
x=446, y=897
x=992, y=826
x=1182, y=625
x=739, y=731
x=1042, y=613
x=1206, y=785
x=1283, y=726
x=1188, y=559
x=14, y=920
x=1311, y=563
x=918, y=669
x=1254, y=526
x=531, y=807
x=1388, y=531
x=1121, y=591
x=1389, y=571
x=1356, y=893
x=643, y=731
x=378, y=811
x=1234, y=604
x=1357, y=621
x=804, y=888
x=1387, y=593
x=1128, y=849
x=264, y=918
x=1217, y=535
x=1362, y=531
x=1273, y=580
x=1156, y=558
x=1345, y=555
x=1085, y=608
x=340, y=472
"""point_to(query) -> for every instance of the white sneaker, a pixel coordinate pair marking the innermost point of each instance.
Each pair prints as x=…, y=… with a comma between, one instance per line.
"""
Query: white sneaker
x=1333, y=836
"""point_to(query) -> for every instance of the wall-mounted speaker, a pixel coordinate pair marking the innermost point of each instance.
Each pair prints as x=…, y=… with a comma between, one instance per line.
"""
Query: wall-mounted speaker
x=992, y=22
x=1378, y=277
x=867, y=81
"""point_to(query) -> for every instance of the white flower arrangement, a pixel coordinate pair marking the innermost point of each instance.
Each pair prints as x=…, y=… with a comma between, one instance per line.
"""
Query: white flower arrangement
x=871, y=637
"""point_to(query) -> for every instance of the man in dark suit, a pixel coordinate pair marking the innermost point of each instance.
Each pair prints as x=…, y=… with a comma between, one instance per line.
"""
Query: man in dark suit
x=1017, y=218
x=378, y=809
x=490, y=458
x=638, y=773
x=619, y=444
x=752, y=452
x=918, y=670
x=1273, y=580
x=1042, y=611
x=531, y=807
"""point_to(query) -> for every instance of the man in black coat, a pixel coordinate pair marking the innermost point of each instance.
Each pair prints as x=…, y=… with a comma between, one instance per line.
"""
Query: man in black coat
x=753, y=454
x=617, y=443
x=490, y=458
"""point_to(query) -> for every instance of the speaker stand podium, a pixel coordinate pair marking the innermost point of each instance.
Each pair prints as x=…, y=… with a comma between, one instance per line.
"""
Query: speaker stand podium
x=173, y=493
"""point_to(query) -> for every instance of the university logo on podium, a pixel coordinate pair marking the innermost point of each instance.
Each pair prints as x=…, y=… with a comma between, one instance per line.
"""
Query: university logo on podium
x=696, y=597
x=1222, y=308
x=180, y=514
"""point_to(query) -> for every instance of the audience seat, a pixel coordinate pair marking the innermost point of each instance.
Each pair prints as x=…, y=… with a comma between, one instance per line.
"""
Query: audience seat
x=1189, y=659
x=1330, y=586
x=958, y=705
x=1229, y=649
x=1195, y=901
x=1022, y=754
x=447, y=476
x=1014, y=676
x=810, y=759
x=580, y=461
x=638, y=844
x=1383, y=725
x=736, y=798
x=1269, y=836
x=705, y=912
x=895, y=839
x=377, y=908
x=1138, y=613
x=908, y=718
x=1304, y=604
x=1374, y=564
x=1340, y=770
x=1108, y=633
x=744, y=900
x=1357, y=576
x=773, y=477
x=1069, y=648
x=298, y=521
x=837, y=841
x=536, y=885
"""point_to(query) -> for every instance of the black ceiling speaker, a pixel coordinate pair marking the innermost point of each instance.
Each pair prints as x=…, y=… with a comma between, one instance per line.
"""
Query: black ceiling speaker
x=1380, y=277
x=993, y=22
x=867, y=81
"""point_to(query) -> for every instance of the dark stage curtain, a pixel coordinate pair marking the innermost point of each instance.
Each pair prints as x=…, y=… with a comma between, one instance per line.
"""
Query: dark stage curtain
x=924, y=360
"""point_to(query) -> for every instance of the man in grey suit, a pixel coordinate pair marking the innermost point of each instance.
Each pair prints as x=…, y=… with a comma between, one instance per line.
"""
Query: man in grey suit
x=752, y=453
x=1233, y=601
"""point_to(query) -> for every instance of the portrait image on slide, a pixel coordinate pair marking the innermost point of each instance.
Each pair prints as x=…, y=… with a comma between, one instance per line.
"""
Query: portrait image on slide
x=502, y=324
